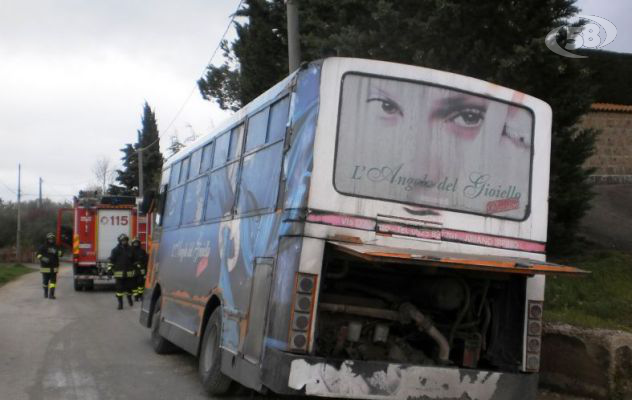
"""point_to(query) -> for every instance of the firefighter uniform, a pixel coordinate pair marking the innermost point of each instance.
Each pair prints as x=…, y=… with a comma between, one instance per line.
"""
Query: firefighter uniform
x=140, y=258
x=48, y=255
x=123, y=267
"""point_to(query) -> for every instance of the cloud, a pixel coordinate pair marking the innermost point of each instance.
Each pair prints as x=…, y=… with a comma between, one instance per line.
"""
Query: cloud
x=74, y=76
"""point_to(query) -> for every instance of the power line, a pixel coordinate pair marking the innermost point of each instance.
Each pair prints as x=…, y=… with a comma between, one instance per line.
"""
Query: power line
x=8, y=188
x=219, y=44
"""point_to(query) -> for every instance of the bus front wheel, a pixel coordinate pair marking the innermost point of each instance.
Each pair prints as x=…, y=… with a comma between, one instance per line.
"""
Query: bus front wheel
x=209, y=367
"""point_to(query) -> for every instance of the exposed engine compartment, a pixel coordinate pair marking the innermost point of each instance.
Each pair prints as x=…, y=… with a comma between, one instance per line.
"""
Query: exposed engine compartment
x=417, y=314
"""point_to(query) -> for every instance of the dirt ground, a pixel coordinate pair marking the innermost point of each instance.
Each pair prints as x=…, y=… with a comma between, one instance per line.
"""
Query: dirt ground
x=609, y=222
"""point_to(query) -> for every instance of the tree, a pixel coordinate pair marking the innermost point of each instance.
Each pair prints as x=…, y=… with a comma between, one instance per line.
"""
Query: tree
x=498, y=41
x=36, y=222
x=152, y=158
x=103, y=172
x=175, y=146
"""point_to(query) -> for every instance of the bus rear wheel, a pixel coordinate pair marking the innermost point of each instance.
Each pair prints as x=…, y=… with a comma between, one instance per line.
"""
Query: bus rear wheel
x=159, y=343
x=209, y=367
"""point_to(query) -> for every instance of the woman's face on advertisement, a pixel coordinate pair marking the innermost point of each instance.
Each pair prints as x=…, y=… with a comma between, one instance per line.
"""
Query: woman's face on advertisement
x=440, y=139
x=446, y=112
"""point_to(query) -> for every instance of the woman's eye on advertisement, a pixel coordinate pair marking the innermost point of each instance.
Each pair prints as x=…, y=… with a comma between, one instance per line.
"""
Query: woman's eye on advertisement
x=467, y=118
x=387, y=106
x=461, y=116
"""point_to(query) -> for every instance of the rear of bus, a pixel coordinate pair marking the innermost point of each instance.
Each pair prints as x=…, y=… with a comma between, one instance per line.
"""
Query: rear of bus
x=422, y=261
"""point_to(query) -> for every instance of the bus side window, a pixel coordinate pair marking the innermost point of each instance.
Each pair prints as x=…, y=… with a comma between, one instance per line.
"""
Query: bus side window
x=196, y=160
x=236, y=136
x=257, y=129
x=278, y=120
x=194, y=200
x=207, y=158
x=175, y=174
x=220, y=155
x=160, y=206
x=184, y=170
x=259, y=182
x=221, y=192
x=173, y=207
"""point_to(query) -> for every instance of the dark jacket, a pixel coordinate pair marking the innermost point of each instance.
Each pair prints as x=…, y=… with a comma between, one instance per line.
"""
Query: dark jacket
x=122, y=261
x=48, y=254
x=140, y=259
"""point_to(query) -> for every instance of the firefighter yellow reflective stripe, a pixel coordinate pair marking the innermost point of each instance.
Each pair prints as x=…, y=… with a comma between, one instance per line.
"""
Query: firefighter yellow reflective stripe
x=75, y=244
x=45, y=270
x=52, y=285
x=39, y=256
x=60, y=253
x=123, y=274
x=120, y=294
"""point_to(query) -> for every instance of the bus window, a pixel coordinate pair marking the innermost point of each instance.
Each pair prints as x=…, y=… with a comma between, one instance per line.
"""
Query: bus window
x=172, y=208
x=194, y=168
x=207, y=157
x=260, y=179
x=433, y=146
x=278, y=120
x=194, y=201
x=257, y=124
x=184, y=170
x=221, y=192
x=175, y=174
x=221, y=150
x=236, y=137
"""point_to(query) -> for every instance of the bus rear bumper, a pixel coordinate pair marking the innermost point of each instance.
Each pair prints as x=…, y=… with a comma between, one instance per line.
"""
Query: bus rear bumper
x=316, y=376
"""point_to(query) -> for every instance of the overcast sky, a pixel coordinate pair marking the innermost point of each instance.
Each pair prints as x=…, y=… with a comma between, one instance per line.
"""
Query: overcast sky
x=74, y=75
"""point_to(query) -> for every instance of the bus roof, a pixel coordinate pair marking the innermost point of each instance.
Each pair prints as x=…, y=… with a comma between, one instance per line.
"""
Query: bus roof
x=239, y=115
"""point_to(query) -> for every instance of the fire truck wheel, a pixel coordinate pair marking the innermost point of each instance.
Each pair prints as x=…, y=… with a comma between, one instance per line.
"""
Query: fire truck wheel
x=209, y=367
x=159, y=343
x=76, y=285
x=89, y=285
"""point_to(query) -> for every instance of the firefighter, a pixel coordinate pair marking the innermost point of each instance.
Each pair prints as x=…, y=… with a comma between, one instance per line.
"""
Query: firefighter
x=140, y=257
x=48, y=255
x=122, y=266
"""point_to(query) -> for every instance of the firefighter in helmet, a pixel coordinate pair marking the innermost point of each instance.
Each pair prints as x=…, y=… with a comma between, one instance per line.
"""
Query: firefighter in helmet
x=122, y=266
x=140, y=257
x=48, y=255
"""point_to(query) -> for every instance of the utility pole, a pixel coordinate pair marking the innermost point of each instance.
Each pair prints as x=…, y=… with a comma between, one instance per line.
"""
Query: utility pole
x=19, y=230
x=293, y=44
x=39, y=200
x=140, y=172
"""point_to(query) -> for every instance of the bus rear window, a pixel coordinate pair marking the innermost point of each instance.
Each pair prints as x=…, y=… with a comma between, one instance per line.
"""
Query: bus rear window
x=427, y=145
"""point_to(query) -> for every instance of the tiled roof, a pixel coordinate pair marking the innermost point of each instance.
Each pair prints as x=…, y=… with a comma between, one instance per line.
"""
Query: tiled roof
x=609, y=107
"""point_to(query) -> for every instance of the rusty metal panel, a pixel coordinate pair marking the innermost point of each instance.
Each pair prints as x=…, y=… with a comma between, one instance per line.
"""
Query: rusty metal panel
x=510, y=265
x=258, y=310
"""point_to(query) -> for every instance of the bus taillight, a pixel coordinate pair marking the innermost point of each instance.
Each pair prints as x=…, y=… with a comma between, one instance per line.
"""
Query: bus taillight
x=302, y=312
x=534, y=335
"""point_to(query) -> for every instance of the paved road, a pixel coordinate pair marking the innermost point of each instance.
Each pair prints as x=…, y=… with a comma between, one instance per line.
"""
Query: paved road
x=79, y=347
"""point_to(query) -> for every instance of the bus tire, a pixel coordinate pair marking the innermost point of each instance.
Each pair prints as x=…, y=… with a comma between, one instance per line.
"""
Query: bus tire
x=159, y=343
x=209, y=365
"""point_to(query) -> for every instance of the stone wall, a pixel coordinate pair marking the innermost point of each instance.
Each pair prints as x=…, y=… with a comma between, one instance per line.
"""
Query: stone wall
x=613, y=155
x=593, y=363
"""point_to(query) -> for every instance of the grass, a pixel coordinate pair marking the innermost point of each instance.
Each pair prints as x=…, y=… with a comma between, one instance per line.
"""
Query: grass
x=602, y=299
x=8, y=272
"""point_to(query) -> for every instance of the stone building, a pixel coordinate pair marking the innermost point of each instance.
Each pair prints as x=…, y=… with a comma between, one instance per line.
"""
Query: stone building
x=613, y=149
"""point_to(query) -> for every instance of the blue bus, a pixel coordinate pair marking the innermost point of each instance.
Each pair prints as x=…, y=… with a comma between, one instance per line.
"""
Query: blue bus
x=363, y=229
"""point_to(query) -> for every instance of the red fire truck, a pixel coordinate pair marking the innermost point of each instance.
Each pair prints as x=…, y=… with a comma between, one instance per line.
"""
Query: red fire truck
x=98, y=221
